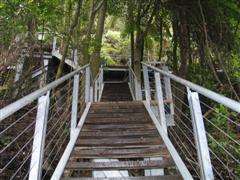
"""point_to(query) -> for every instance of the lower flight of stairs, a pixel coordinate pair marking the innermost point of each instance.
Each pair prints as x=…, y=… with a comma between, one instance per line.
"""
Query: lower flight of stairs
x=123, y=132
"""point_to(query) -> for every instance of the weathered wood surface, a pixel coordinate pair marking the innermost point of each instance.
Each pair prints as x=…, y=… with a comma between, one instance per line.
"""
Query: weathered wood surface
x=119, y=152
x=116, y=92
x=121, y=165
x=167, y=177
x=119, y=130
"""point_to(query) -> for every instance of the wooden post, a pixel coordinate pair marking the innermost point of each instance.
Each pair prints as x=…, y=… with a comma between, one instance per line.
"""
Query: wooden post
x=159, y=95
x=146, y=84
x=39, y=138
x=200, y=136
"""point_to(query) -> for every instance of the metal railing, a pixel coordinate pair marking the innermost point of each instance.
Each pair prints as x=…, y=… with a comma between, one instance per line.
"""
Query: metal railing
x=36, y=129
x=204, y=127
x=134, y=85
x=97, y=86
x=17, y=83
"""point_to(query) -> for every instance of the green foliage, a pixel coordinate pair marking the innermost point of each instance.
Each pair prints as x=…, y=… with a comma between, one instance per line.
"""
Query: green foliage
x=218, y=141
x=114, y=48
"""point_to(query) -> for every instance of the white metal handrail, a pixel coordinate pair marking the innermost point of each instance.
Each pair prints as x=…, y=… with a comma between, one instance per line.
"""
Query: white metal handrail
x=48, y=120
x=14, y=107
x=191, y=124
x=234, y=105
x=97, y=86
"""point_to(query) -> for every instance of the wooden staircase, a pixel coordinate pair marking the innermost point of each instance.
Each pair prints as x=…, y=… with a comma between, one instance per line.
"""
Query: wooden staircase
x=116, y=92
x=122, y=131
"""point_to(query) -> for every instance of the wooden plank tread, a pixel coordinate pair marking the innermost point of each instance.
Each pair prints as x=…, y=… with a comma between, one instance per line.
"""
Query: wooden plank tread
x=117, y=126
x=119, y=141
x=121, y=165
x=100, y=134
x=159, y=151
x=167, y=177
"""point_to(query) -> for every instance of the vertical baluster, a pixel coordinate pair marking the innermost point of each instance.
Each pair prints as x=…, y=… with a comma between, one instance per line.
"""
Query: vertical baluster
x=91, y=94
x=75, y=95
x=39, y=138
x=159, y=95
x=146, y=84
x=95, y=90
x=169, y=96
x=101, y=84
x=87, y=85
x=54, y=48
x=200, y=136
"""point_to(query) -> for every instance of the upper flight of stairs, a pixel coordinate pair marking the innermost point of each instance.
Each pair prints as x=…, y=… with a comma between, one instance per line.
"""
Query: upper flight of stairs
x=122, y=131
x=116, y=92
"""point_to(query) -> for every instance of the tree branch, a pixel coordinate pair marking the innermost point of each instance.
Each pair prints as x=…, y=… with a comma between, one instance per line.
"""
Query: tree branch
x=98, y=7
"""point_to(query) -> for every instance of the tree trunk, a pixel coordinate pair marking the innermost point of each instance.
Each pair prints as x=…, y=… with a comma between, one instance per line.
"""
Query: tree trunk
x=184, y=44
x=207, y=47
x=138, y=54
x=132, y=49
x=139, y=49
x=130, y=26
x=92, y=15
x=95, y=59
x=67, y=39
x=175, y=45
x=161, y=38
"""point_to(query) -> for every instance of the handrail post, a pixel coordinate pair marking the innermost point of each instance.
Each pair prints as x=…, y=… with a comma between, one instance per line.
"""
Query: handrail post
x=74, y=103
x=168, y=90
x=87, y=84
x=96, y=90
x=54, y=44
x=75, y=95
x=200, y=136
x=39, y=138
x=91, y=94
x=136, y=88
x=146, y=84
x=100, y=83
x=159, y=95
x=138, y=91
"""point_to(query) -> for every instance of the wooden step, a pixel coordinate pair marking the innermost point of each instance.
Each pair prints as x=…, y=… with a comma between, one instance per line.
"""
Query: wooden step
x=143, y=114
x=121, y=165
x=119, y=134
x=119, y=152
x=117, y=110
x=115, y=127
x=119, y=142
x=167, y=177
x=112, y=120
x=117, y=103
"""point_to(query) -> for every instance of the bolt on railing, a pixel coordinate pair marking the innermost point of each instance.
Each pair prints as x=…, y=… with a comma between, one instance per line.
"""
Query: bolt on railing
x=201, y=116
